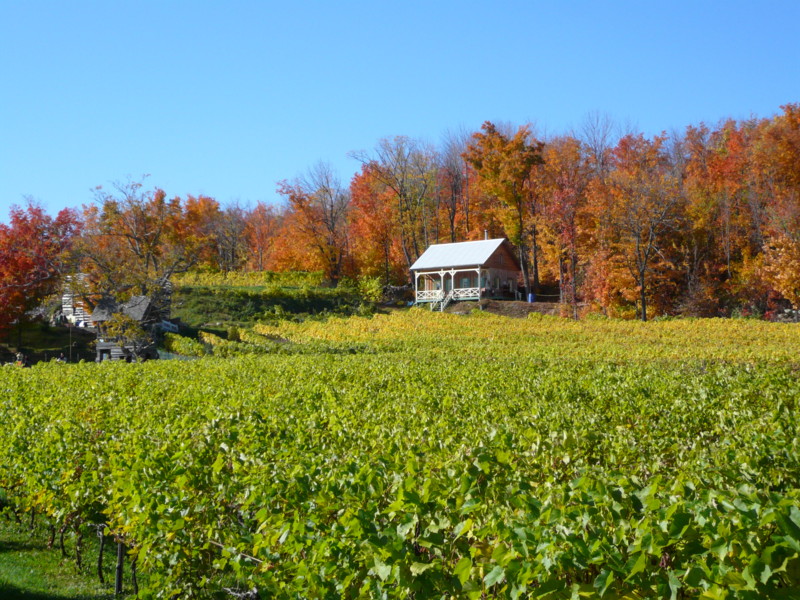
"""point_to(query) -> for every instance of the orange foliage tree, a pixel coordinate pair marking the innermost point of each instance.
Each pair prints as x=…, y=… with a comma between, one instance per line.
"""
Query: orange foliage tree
x=261, y=231
x=777, y=157
x=562, y=184
x=644, y=199
x=134, y=240
x=406, y=168
x=503, y=164
x=317, y=210
x=376, y=249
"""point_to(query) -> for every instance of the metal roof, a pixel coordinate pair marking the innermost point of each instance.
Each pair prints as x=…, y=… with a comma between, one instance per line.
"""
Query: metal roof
x=460, y=254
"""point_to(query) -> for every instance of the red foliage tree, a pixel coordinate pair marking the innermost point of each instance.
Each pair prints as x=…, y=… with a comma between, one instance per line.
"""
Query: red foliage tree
x=33, y=255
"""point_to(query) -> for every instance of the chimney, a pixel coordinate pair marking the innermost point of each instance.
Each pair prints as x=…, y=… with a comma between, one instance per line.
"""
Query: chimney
x=486, y=234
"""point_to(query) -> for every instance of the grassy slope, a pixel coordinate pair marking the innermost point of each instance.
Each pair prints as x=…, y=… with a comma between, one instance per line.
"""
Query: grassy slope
x=31, y=571
x=200, y=306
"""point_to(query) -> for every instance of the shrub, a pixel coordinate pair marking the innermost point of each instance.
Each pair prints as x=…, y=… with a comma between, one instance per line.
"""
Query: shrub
x=184, y=346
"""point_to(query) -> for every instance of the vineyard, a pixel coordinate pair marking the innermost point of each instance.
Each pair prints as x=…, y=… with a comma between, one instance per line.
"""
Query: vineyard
x=428, y=455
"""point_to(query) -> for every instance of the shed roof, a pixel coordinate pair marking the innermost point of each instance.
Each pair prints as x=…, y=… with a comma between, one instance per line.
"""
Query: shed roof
x=136, y=307
x=104, y=309
x=460, y=254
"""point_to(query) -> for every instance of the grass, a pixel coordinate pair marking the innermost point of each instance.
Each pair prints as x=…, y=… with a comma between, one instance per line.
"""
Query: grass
x=29, y=570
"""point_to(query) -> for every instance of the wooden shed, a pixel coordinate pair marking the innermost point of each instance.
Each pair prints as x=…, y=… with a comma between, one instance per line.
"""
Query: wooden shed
x=466, y=271
x=138, y=308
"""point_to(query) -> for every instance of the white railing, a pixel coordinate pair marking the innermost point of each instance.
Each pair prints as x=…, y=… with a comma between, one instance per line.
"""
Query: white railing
x=451, y=296
x=461, y=293
x=429, y=295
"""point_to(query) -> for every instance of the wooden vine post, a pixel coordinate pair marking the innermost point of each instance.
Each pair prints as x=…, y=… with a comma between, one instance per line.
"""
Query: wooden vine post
x=101, y=535
x=120, y=560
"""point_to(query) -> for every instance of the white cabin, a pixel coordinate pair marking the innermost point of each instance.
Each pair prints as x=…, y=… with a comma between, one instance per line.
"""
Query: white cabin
x=466, y=271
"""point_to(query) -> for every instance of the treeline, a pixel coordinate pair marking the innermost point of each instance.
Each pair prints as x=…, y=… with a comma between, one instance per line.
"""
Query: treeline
x=704, y=222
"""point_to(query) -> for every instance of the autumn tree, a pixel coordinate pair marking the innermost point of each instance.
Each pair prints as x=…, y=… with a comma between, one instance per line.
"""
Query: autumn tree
x=740, y=210
x=728, y=203
x=644, y=197
x=229, y=238
x=132, y=242
x=319, y=205
x=261, y=229
x=503, y=164
x=597, y=135
x=601, y=285
x=562, y=183
x=452, y=183
x=129, y=333
x=701, y=251
x=407, y=168
x=777, y=163
x=34, y=255
x=197, y=227
x=375, y=246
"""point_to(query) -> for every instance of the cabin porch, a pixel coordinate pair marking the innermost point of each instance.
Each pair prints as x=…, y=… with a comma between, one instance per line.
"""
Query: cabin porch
x=452, y=285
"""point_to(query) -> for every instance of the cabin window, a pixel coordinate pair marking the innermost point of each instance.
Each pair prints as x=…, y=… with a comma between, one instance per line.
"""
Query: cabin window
x=466, y=282
x=511, y=286
x=502, y=259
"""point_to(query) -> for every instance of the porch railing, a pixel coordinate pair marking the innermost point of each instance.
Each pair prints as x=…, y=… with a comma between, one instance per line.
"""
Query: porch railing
x=455, y=294
x=429, y=295
x=464, y=293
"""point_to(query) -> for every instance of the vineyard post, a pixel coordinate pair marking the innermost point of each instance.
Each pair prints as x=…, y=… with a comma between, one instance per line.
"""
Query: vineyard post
x=120, y=559
x=101, y=534
x=133, y=575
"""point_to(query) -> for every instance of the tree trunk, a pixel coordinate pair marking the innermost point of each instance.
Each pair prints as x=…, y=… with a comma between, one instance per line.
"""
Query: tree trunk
x=574, y=282
x=523, y=262
x=535, y=265
x=643, y=296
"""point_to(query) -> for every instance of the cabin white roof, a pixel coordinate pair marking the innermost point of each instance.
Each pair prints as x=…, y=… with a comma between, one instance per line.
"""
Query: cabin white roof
x=460, y=254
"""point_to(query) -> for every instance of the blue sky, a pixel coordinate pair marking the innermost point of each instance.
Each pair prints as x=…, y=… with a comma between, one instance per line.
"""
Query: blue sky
x=228, y=98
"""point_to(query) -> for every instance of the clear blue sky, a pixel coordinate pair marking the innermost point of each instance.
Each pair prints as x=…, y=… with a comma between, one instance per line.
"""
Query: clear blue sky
x=227, y=98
